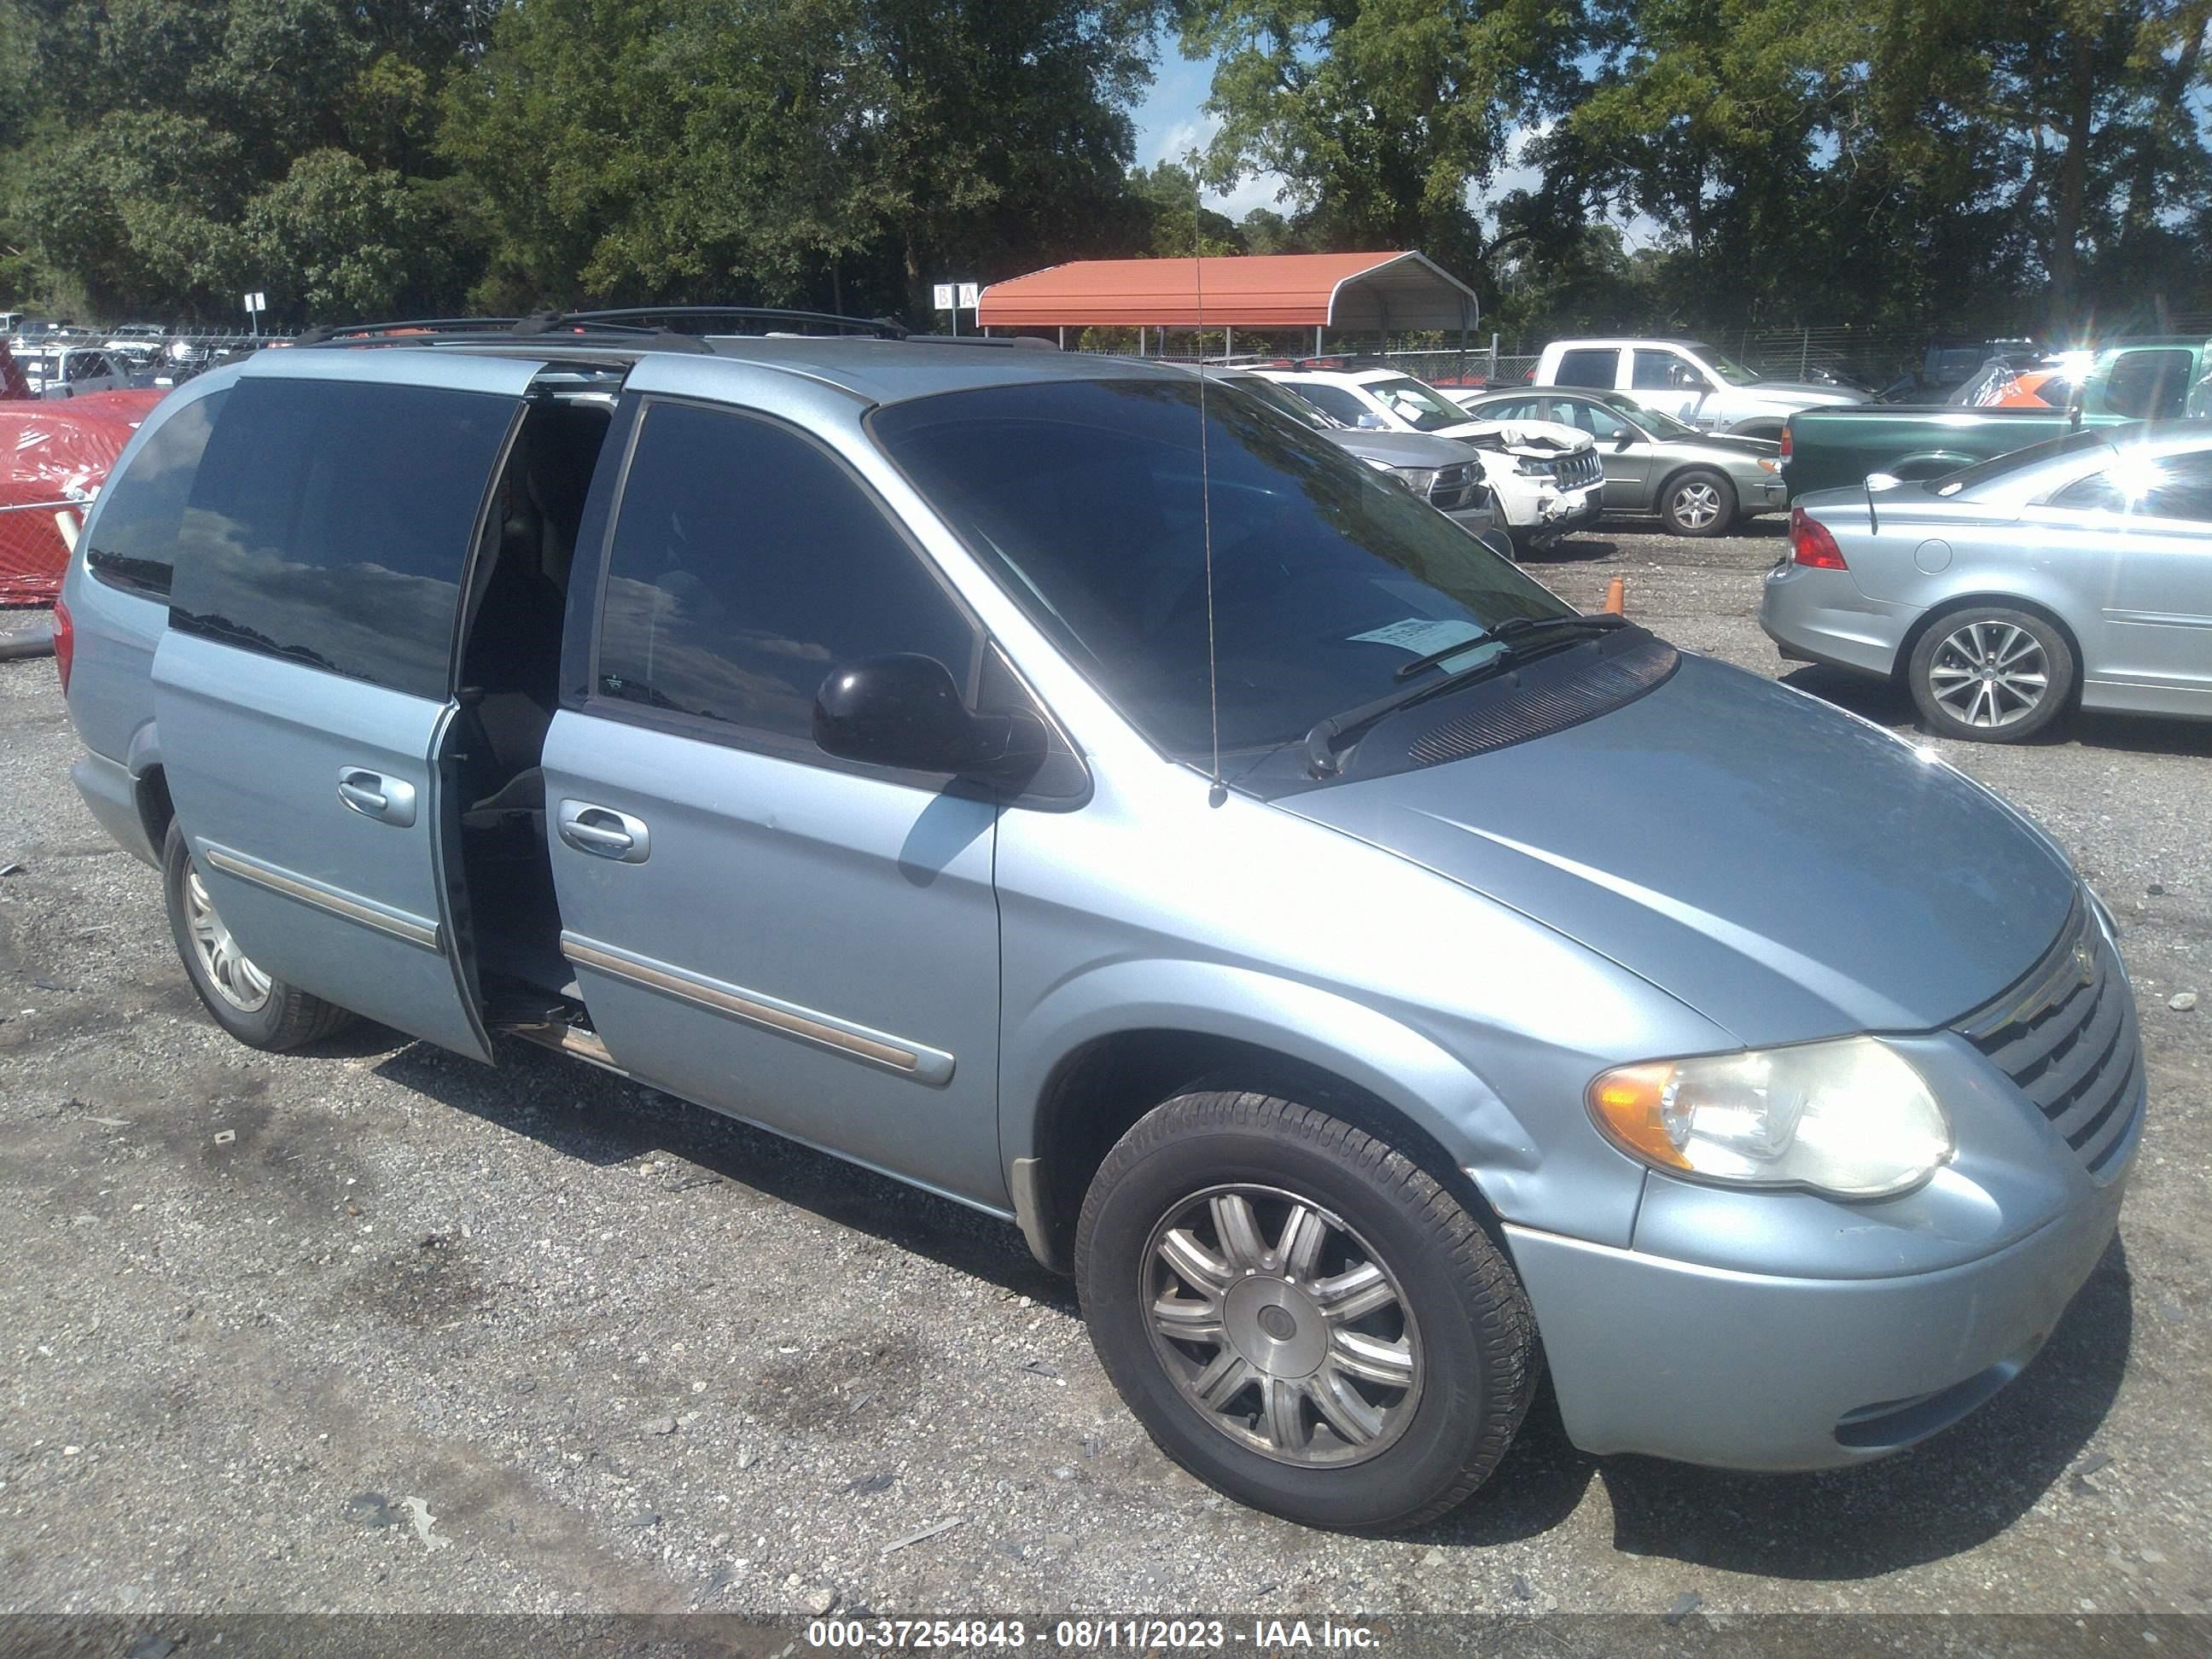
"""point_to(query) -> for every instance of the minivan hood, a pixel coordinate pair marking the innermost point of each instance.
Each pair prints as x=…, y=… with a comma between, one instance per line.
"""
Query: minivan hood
x=1787, y=870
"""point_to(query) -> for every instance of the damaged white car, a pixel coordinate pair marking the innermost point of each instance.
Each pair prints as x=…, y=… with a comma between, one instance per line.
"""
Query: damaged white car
x=1546, y=477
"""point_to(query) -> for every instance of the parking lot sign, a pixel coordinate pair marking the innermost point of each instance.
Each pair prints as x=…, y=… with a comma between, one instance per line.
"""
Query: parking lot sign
x=942, y=296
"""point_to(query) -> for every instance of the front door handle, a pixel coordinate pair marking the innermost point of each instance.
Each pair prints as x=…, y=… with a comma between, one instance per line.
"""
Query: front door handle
x=604, y=833
x=373, y=795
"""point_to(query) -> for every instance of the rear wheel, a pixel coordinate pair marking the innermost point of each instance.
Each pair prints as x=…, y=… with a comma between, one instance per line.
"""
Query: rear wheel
x=1991, y=674
x=1698, y=502
x=1300, y=1316
x=254, y=1007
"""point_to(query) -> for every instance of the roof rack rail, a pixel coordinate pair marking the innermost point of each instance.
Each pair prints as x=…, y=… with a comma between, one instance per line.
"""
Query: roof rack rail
x=881, y=327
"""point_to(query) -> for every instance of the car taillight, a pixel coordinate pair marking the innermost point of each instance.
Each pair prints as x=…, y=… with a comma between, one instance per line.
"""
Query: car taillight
x=1787, y=442
x=1811, y=543
x=64, y=643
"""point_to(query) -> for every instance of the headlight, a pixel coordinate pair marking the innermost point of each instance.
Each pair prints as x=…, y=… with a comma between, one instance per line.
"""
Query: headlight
x=1420, y=480
x=1849, y=1117
x=1529, y=469
x=1379, y=465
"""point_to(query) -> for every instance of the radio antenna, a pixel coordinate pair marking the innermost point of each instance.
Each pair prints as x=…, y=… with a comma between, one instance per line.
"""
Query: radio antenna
x=1220, y=793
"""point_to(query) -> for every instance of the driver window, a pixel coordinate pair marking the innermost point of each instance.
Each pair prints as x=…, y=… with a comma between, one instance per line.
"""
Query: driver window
x=1662, y=371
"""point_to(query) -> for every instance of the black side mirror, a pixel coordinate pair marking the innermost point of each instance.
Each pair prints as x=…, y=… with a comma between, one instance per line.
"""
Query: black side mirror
x=905, y=711
x=1627, y=437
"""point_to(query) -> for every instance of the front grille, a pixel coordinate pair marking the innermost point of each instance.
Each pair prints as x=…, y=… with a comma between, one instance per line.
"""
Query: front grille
x=2065, y=1034
x=1574, y=471
x=1453, y=489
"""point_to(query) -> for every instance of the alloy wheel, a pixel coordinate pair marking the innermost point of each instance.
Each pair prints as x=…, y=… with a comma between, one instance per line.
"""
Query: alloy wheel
x=1282, y=1326
x=1989, y=674
x=1695, y=505
x=224, y=966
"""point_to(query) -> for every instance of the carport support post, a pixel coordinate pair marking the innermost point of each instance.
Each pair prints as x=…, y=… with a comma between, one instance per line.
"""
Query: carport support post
x=1318, y=328
x=1228, y=343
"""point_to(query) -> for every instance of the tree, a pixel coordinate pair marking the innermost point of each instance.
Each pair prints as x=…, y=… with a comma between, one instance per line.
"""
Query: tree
x=1181, y=224
x=335, y=238
x=649, y=147
x=1385, y=117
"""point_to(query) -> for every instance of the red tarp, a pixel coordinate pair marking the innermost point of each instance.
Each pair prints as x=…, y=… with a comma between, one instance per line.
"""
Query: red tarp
x=55, y=453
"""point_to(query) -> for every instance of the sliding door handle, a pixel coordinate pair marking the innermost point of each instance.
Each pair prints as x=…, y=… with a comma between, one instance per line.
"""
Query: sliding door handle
x=371, y=794
x=604, y=833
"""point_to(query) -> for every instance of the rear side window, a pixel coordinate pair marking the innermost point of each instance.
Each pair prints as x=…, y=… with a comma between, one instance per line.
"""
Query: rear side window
x=144, y=510
x=2178, y=487
x=747, y=563
x=330, y=523
x=1589, y=368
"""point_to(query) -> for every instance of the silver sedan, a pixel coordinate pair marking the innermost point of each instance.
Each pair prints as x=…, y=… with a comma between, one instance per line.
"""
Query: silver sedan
x=1699, y=483
x=2074, y=573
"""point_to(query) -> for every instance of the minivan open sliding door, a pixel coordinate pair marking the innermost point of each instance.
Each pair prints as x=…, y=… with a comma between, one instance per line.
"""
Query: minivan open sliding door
x=305, y=683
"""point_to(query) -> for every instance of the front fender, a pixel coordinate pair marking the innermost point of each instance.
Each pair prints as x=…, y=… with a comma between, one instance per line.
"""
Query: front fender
x=1404, y=1068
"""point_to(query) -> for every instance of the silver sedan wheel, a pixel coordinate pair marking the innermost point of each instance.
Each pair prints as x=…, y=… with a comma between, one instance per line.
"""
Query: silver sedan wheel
x=1990, y=674
x=224, y=966
x=1282, y=1326
x=1695, y=505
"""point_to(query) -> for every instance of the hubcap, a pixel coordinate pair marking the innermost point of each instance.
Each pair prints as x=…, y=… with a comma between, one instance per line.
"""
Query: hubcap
x=1697, y=505
x=1989, y=674
x=1282, y=1326
x=222, y=964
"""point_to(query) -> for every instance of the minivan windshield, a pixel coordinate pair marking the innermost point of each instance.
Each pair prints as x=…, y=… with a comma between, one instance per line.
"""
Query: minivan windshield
x=1083, y=498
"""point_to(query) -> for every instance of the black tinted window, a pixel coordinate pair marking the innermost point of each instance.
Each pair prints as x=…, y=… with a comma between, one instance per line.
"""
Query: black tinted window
x=747, y=563
x=331, y=522
x=1589, y=368
x=144, y=510
x=1084, y=499
x=2149, y=385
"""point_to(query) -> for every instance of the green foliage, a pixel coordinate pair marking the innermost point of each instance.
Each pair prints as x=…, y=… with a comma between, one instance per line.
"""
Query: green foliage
x=1898, y=164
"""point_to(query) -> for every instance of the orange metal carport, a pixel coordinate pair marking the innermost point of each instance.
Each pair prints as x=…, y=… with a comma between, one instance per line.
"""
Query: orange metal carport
x=1381, y=293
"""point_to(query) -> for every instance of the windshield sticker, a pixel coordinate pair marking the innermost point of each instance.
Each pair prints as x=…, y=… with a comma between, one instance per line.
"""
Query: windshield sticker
x=1420, y=636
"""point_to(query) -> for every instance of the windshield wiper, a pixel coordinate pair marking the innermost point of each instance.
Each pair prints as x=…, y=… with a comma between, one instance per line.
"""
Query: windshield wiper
x=1512, y=628
x=1325, y=735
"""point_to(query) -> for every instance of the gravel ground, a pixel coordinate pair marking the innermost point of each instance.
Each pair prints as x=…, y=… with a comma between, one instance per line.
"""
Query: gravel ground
x=375, y=1327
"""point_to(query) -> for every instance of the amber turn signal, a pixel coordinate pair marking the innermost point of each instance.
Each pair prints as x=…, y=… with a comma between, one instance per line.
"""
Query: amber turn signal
x=1627, y=1105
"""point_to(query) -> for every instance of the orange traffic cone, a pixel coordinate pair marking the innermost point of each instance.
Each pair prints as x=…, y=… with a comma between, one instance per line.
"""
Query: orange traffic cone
x=1616, y=595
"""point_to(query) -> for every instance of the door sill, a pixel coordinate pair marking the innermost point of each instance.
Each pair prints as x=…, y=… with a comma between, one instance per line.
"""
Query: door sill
x=568, y=1039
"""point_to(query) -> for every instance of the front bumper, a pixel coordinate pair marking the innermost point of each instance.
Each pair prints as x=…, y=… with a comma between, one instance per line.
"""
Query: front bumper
x=1743, y=1370
x=1561, y=513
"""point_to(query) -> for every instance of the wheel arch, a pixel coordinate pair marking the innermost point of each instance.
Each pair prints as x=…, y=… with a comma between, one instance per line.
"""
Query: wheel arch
x=1951, y=604
x=1108, y=1071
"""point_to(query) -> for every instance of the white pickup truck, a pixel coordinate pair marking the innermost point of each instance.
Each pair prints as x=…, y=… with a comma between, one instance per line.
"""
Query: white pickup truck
x=1691, y=381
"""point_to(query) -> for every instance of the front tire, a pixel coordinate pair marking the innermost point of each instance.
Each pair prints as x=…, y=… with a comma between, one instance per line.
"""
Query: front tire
x=260, y=1010
x=1698, y=502
x=1991, y=674
x=1300, y=1316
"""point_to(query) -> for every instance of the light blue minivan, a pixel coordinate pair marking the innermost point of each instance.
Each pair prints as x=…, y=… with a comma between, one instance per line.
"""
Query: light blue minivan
x=1087, y=794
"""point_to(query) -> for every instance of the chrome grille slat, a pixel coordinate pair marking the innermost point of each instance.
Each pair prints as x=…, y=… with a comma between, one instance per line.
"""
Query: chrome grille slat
x=2104, y=1139
x=2061, y=1081
x=2025, y=1053
x=2064, y=1033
